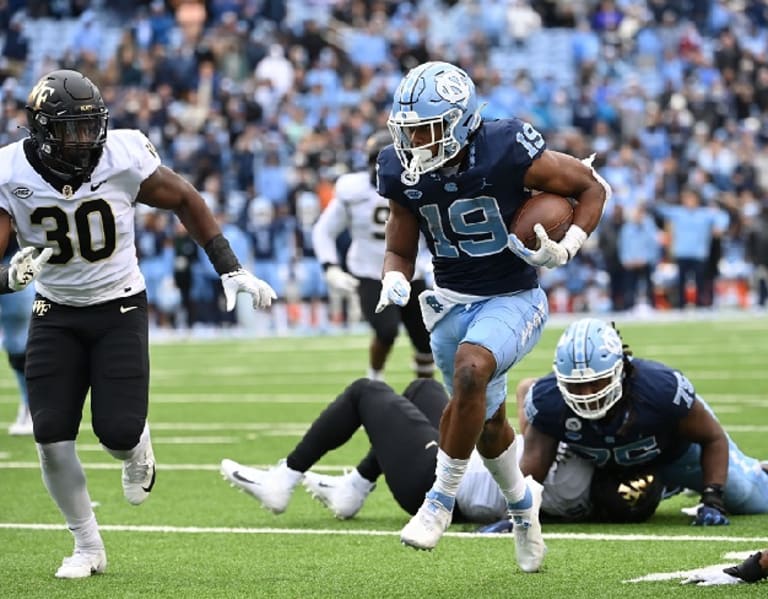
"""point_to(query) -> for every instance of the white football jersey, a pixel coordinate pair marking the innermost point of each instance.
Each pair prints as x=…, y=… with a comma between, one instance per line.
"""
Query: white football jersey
x=358, y=208
x=90, y=229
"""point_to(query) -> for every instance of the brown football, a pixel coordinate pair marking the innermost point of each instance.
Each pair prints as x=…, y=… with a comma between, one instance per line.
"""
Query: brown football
x=554, y=212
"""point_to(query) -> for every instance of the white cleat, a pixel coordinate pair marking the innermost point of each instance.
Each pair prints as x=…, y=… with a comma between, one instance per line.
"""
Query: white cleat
x=529, y=543
x=23, y=424
x=425, y=528
x=139, y=477
x=338, y=493
x=273, y=487
x=82, y=564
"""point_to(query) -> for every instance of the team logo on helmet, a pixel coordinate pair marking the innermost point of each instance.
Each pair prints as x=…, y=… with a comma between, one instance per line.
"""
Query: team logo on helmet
x=453, y=87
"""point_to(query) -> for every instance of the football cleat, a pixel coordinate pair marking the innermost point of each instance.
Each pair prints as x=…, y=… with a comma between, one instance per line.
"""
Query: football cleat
x=82, y=564
x=529, y=543
x=139, y=476
x=343, y=495
x=273, y=487
x=23, y=423
x=425, y=528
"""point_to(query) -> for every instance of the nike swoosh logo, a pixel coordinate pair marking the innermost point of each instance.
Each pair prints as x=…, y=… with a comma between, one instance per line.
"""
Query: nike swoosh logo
x=241, y=478
x=430, y=444
x=124, y=309
x=95, y=187
x=151, y=482
x=324, y=485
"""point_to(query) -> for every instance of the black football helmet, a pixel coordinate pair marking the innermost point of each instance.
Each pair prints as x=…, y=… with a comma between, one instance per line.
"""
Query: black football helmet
x=373, y=145
x=67, y=119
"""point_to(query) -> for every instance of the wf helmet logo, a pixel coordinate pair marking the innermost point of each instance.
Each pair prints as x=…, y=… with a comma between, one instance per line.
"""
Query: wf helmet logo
x=633, y=491
x=39, y=94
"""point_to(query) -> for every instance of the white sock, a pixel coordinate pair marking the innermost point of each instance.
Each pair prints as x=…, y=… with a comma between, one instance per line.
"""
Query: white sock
x=448, y=473
x=87, y=535
x=507, y=474
x=359, y=482
x=375, y=375
x=293, y=476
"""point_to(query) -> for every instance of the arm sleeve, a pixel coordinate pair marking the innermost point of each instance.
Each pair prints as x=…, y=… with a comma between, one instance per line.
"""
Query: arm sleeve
x=331, y=223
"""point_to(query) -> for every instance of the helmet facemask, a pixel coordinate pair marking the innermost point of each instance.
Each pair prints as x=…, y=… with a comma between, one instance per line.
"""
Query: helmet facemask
x=441, y=145
x=72, y=145
x=594, y=405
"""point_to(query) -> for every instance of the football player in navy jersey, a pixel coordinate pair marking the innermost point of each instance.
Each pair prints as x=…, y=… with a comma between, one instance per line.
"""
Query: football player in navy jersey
x=69, y=192
x=458, y=180
x=626, y=414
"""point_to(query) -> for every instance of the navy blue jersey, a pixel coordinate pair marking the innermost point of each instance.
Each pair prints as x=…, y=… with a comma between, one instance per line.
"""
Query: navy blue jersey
x=465, y=216
x=644, y=430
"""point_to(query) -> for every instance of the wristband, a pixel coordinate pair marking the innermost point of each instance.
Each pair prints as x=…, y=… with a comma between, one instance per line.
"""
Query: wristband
x=574, y=238
x=712, y=496
x=221, y=255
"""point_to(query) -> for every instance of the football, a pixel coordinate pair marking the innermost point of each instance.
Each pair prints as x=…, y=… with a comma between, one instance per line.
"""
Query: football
x=554, y=212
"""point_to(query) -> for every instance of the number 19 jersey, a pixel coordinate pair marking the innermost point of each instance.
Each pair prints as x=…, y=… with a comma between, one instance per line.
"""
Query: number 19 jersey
x=90, y=229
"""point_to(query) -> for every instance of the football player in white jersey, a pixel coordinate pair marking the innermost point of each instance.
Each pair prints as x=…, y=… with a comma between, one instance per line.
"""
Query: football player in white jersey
x=357, y=207
x=69, y=191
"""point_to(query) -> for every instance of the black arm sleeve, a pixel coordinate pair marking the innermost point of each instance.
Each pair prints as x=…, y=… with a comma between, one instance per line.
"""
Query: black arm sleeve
x=221, y=255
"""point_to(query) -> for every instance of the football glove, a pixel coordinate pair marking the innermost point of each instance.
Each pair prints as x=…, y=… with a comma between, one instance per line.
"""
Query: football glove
x=749, y=570
x=241, y=280
x=710, y=577
x=339, y=280
x=395, y=289
x=549, y=255
x=712, y=511
x=26, y=264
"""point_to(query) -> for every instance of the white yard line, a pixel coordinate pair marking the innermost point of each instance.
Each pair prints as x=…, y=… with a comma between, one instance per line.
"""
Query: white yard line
x=566, y=536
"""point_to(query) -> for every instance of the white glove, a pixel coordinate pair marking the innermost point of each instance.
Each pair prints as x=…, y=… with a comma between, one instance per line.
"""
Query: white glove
x=26, y=264
x=709, y=577
x=242, y=281
x=395, y=289
x=550, y=253
x=339, y=280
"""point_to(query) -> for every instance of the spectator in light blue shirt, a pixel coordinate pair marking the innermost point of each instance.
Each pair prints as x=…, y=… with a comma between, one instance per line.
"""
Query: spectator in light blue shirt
x=692, y=227
x=639, y=252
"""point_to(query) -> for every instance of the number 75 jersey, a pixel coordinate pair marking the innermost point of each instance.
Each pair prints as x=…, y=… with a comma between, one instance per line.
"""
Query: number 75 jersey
x=90, y=229
x=464, y=215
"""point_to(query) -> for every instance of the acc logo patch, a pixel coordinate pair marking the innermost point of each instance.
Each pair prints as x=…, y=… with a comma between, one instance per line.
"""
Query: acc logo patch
x=573, y=424
x=22, y=192
x=453, y=87
x=413, y=194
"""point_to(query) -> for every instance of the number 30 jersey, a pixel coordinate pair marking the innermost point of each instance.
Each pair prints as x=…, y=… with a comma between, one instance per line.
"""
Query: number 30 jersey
x=465, y=215
x=90, y=229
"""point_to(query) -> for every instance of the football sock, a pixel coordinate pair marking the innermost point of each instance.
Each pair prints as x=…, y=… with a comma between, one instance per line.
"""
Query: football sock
x=369, y=467
x=64, y=478
x=375, y=375
x=448, y=474
x=506, y=472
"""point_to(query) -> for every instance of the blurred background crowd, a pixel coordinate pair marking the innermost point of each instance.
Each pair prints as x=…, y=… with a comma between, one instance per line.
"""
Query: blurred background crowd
x=262, y=104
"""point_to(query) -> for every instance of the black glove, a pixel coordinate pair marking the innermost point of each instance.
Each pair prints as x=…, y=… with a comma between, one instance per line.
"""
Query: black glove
x=749, y=570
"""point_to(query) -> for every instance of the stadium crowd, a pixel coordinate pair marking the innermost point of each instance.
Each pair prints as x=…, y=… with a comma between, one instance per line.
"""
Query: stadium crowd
x=263, y=104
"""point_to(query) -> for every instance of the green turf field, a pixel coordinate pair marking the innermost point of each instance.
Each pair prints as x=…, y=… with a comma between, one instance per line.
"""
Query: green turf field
x=251, y=400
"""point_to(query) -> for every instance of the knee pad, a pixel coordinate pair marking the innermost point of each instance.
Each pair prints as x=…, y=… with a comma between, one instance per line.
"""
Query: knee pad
x=17, y=362
x=119, y=434
x=52, y=426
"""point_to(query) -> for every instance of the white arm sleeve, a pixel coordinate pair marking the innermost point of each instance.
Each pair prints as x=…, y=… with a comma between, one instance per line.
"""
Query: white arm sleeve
x=331, y=223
